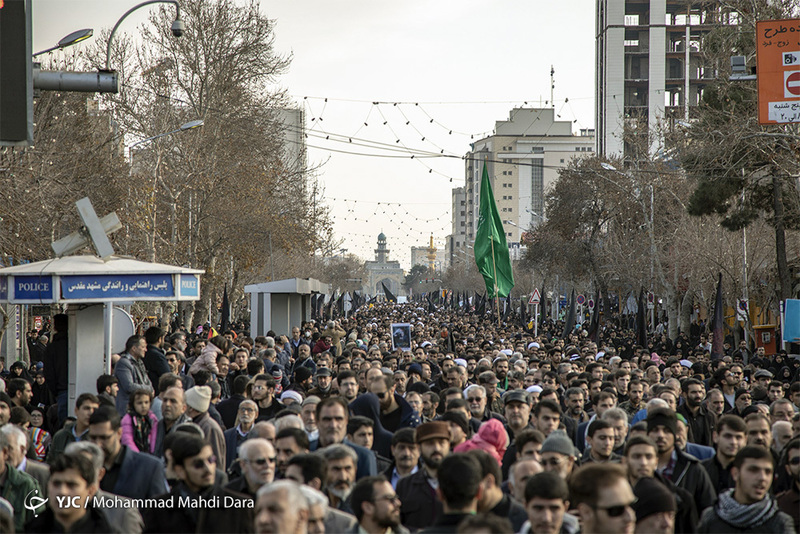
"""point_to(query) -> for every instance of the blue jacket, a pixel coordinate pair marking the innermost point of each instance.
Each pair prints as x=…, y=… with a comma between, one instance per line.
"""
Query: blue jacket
x=232, y=442
x=141, y=476
x=701, y=452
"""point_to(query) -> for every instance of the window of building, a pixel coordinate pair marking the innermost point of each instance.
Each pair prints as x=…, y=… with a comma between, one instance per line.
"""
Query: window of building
x=631, y=20
x=510, y=197
x=562, y=160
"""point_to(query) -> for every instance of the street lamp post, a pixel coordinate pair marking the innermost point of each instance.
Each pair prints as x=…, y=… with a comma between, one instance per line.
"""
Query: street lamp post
x=69, y=40
x=178, y=27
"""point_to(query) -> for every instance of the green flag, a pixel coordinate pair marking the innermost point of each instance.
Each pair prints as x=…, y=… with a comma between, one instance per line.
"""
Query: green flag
x=491, y=250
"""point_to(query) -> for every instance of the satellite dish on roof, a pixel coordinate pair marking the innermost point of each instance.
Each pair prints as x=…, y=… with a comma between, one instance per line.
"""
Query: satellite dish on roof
x=122, y=328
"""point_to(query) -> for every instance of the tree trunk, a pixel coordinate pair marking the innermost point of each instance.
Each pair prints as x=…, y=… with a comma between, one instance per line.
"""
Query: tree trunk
x=687, y=307
x=780, y=240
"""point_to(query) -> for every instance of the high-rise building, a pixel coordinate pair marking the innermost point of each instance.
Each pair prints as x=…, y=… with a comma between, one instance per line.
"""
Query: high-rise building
x=523, y=158
x=650, y=70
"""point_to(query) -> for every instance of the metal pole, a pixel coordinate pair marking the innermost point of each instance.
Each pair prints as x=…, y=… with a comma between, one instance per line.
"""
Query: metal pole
x=108, y=323
x=131, y=10
x=536, y=320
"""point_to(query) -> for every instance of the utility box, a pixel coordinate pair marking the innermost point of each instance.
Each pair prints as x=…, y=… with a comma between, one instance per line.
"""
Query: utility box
x=767, y=337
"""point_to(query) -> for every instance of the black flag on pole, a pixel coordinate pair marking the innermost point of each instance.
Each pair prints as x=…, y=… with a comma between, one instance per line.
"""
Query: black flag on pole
x=717, y=326
x=389, y=296
x=569, y=320
x=641, y=321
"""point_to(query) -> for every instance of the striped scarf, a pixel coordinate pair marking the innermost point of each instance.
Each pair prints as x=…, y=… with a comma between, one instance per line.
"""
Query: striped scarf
x=745, y=516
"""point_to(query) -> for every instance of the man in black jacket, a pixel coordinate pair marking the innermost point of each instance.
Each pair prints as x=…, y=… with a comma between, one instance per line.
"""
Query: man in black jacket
x=729, y=438
x=701, y=422
x=421, y=505
x=459, y=487
x=748, y=507
x=675, y=465
x=56, y=364
x=155, y=361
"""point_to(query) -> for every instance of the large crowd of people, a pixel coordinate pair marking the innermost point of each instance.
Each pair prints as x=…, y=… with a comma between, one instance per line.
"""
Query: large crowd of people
x=480, y=427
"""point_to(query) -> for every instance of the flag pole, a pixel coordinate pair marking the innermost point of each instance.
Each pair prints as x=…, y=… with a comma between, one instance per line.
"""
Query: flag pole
x=496, y=295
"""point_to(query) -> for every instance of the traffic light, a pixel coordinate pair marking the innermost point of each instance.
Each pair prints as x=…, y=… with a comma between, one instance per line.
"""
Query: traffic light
x=16, y=74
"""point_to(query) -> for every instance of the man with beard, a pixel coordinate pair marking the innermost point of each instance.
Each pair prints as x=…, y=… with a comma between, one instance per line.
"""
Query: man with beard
x=263, y=393
x=729, y=438
x=421, y=506
x=194, y=462
x=675, y=465
x=748, y=507
x=341, y=475
x=635, y=402
x=789, y=500
x=377, y=507
x=500, y=366
x=396, y=413
x=348, y=385
x=701, y=422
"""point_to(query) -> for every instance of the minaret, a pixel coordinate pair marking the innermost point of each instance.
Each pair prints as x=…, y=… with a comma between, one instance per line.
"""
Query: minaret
x=381, y=253
x=431, y=257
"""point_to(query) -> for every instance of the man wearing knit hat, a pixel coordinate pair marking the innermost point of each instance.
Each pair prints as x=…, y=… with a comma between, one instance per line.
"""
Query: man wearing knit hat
x=421, y=505
x=558, y=454
x=655, y=507
x=684, y=470
x=197, y=400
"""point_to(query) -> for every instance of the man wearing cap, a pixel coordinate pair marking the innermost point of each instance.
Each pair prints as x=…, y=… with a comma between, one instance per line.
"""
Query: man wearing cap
x=684, y=470
x=763, y=378
x=559, y=454
x=518, y=415
x=421, y=505
x=655, y=507
x=489, y=381
x=197, y=400
x=323, y=389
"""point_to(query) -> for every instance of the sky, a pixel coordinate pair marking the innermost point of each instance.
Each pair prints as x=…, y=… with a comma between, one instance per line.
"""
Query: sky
x=425, y=78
